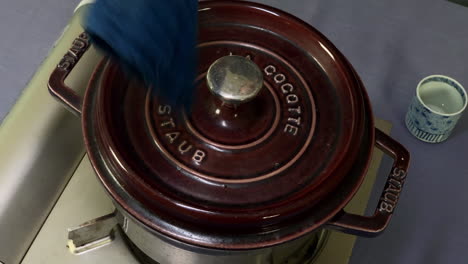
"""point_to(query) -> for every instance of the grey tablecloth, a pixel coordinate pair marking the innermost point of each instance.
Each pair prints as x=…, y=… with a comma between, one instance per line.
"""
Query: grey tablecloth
x=28, y=29
x=392, y=44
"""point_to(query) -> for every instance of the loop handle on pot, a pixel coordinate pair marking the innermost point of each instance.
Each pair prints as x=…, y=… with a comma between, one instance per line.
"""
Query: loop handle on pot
x=56, y=83
x=374, y=225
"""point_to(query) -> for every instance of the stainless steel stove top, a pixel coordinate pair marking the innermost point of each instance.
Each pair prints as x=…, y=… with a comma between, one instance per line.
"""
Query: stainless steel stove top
x=84, y=198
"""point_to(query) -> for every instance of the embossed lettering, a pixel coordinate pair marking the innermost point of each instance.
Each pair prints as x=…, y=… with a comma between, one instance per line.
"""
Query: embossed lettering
x=198, y=156
x=297, y=121
x=77, y=46
x=169, y=122
x=84, y=36
x=399, y=173
x=164, y=109
x=287, y=88
x=270, y=70
x=297, y=110
x=390, y=197
x=72, y=53
x=393, y=187
x=70, y=58
x=248, y=56
x=172, y=136
x=64, y=64
x=67, y=61
x=291, y=129
x=393, y=182
x=292, y=99
x=279, y=78
x=386, y=207
x=392, y=191
x=177, y=137
x=184, y=147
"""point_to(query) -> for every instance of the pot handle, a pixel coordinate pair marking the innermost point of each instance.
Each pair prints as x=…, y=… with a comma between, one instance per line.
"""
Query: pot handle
x=374, y=225
x=56, y=84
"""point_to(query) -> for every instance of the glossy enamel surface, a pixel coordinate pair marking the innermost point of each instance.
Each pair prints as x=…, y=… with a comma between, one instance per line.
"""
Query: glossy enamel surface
x=236, y=177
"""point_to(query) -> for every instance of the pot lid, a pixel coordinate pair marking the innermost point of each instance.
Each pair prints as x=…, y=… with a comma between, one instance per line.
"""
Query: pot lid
x=276, y=124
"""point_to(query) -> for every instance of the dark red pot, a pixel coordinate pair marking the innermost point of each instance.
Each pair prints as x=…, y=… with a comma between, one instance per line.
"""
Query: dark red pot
x=252, y=176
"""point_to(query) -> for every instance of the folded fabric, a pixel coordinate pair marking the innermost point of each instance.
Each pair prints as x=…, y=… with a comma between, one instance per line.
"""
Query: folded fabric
x=155, y=39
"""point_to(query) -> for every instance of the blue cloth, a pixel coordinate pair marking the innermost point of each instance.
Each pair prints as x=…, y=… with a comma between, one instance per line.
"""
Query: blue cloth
x=155, y=39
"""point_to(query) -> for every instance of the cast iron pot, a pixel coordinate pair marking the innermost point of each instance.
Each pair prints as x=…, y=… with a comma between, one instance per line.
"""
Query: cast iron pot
x=253, y=166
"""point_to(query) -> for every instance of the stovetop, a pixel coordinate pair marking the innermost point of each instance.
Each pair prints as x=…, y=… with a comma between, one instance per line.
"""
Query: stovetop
x=84, y=198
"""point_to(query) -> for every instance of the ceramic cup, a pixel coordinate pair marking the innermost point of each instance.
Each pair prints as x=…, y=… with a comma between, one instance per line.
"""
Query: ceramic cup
x=436, y=108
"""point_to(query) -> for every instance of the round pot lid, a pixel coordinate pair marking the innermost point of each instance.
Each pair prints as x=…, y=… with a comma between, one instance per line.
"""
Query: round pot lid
x=276, y=126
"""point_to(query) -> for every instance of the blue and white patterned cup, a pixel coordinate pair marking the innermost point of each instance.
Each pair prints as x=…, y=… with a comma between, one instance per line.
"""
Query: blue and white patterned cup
x=436, y=108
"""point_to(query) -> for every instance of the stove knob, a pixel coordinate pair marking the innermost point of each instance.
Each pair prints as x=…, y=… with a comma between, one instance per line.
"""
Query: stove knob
x=234, y=79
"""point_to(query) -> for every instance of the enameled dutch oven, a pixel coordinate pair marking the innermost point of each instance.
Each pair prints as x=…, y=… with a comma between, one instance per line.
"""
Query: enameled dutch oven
x=277, y=142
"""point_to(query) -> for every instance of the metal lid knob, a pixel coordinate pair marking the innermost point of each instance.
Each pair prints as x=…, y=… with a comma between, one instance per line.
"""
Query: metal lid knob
x=234, y=79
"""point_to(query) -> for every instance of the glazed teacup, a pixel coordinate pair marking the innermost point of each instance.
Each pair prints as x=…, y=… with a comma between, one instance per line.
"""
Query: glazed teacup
x=436, y=108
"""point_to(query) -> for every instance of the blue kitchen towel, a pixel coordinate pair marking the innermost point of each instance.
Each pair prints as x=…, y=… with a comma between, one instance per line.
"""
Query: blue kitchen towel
x=155, y=39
